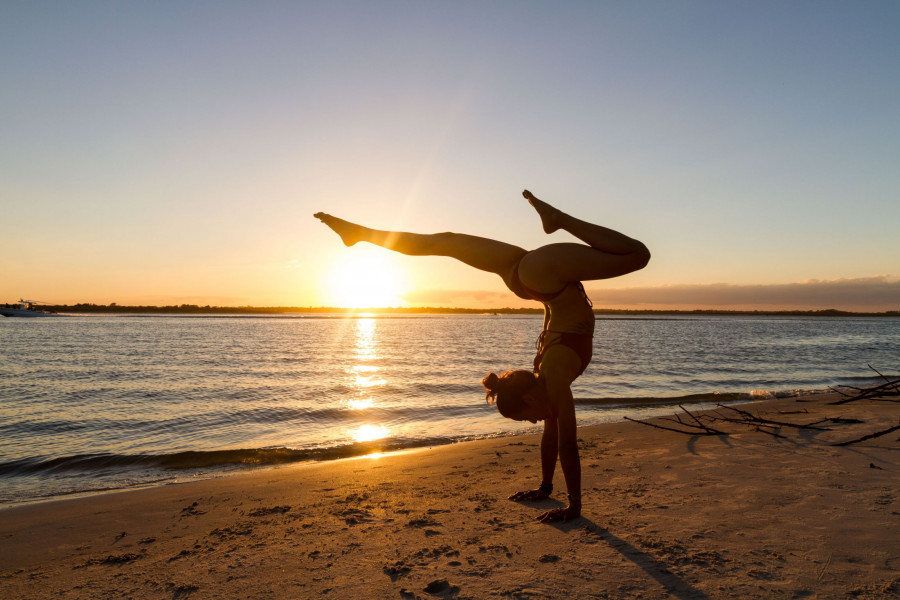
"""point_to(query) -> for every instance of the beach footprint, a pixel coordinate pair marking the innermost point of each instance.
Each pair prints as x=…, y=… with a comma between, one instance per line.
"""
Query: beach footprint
x=441, y=588
x=268, y=510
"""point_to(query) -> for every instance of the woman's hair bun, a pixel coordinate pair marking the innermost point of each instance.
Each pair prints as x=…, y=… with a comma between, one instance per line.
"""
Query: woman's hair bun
x=507, y=389
x=491, y=381
x=492, y=384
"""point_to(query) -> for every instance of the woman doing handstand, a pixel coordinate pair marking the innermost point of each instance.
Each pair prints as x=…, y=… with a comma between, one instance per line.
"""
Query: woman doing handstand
x=552, y=275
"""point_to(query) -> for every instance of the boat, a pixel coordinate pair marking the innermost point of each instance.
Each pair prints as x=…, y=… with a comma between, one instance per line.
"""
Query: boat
x=23, y=308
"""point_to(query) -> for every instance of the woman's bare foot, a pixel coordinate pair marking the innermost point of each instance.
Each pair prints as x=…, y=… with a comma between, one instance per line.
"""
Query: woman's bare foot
x=350, y=232
x=549, y=216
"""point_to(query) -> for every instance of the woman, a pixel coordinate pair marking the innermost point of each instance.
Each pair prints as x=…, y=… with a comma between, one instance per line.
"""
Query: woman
x=552, y=275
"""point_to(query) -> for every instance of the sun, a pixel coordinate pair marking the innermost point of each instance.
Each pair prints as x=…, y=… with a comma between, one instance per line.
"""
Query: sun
x=365, y=278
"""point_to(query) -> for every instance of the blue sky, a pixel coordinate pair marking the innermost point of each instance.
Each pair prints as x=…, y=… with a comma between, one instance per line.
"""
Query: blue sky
x=173, y=152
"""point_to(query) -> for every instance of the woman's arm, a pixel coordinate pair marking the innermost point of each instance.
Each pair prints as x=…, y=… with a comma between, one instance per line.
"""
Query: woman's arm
x=549, y=449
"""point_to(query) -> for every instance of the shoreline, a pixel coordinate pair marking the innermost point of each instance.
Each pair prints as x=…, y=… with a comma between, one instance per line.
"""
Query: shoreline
x=666, y=515
x=231, y=462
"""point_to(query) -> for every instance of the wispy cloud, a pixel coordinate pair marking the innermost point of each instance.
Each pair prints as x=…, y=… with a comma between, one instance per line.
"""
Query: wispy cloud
x=862, y=294
x=880, y=293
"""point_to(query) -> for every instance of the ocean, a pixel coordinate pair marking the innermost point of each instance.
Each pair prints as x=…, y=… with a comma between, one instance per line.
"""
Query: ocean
x=93, y=403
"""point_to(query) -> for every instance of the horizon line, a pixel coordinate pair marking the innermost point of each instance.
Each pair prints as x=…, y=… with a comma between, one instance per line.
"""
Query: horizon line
x=195, y=308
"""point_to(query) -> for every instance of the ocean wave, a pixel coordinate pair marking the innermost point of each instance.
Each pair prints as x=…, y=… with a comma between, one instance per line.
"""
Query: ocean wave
x=865, y=381
x=714, y=397
x=96, y=463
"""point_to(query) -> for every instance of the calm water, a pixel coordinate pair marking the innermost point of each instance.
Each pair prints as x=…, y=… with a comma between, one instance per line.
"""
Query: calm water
x=90, y=403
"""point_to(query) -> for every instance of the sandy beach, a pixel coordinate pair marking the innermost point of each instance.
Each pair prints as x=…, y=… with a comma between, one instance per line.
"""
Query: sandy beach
x=666, y=515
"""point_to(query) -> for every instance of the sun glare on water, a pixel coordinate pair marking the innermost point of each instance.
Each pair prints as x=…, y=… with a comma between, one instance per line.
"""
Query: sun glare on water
x=370, y=433
x=366, y=279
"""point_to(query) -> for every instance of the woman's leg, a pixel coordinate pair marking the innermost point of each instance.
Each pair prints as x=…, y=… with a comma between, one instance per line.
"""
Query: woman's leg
x=482, y=253
x=608, y=254
x=595, y=236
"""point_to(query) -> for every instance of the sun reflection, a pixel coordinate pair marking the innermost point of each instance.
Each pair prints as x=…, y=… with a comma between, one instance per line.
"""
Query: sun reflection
x=367, y=382
x=369, y=433
x=365, y=339
x=361, y=404
x=364, y=376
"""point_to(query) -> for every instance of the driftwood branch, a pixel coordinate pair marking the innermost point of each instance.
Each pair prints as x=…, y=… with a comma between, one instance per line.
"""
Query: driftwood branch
x=696, y=428
x=751, y=419
x=693, y=424
x=837, y=420
x=694, y=418
x=882, y=376
x=879, y=392
x=870, y=436
x=875, y=393
x=844, y=394
x=649, y=424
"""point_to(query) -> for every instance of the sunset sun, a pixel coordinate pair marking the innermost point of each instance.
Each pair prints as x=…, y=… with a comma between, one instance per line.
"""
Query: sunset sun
x=365, y=279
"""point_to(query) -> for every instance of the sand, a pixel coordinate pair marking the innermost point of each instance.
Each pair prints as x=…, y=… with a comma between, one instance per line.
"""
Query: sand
x=666, y=515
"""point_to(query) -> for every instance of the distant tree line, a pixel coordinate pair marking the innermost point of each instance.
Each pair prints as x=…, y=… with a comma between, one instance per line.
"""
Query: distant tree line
x=242, y=310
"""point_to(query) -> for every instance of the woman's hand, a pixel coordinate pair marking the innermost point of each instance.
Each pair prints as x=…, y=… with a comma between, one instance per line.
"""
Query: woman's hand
x=560, y=514
x=530, y=495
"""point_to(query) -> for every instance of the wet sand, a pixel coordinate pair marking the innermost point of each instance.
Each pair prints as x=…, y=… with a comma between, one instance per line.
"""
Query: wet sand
x=666, y=515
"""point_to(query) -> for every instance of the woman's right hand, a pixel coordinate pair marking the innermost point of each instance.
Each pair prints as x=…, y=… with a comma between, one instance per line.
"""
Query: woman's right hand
x=529, y=495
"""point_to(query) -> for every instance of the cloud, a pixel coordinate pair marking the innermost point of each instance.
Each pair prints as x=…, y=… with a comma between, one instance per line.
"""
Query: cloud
x=874, y=294
x=879, y=293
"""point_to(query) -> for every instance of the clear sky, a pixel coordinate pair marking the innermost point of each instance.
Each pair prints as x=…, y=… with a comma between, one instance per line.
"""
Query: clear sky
x=174, y=152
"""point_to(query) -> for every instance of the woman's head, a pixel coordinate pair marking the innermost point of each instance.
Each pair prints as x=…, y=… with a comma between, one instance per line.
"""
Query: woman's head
x=508, y=391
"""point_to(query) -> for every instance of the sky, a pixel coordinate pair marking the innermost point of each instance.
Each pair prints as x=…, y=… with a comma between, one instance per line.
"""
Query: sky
x=174, y=152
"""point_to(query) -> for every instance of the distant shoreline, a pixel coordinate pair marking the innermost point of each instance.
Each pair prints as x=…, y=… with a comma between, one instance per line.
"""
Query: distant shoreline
x=231, y=310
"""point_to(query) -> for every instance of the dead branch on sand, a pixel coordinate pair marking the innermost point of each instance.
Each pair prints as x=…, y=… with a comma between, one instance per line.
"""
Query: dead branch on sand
x=870, y=436
x=701, y=424
x=757, y=421
x=695, y=428
x=768, y=426
x=886, y=391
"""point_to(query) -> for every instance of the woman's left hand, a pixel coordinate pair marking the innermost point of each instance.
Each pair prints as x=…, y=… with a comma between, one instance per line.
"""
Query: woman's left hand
x=530, y=495
x=560, y=514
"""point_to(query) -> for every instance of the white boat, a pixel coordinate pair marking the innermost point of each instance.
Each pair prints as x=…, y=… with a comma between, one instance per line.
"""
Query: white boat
x=24, y=308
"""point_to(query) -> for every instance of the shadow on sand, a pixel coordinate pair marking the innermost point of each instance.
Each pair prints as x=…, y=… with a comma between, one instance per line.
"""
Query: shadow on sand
x=656, y=569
